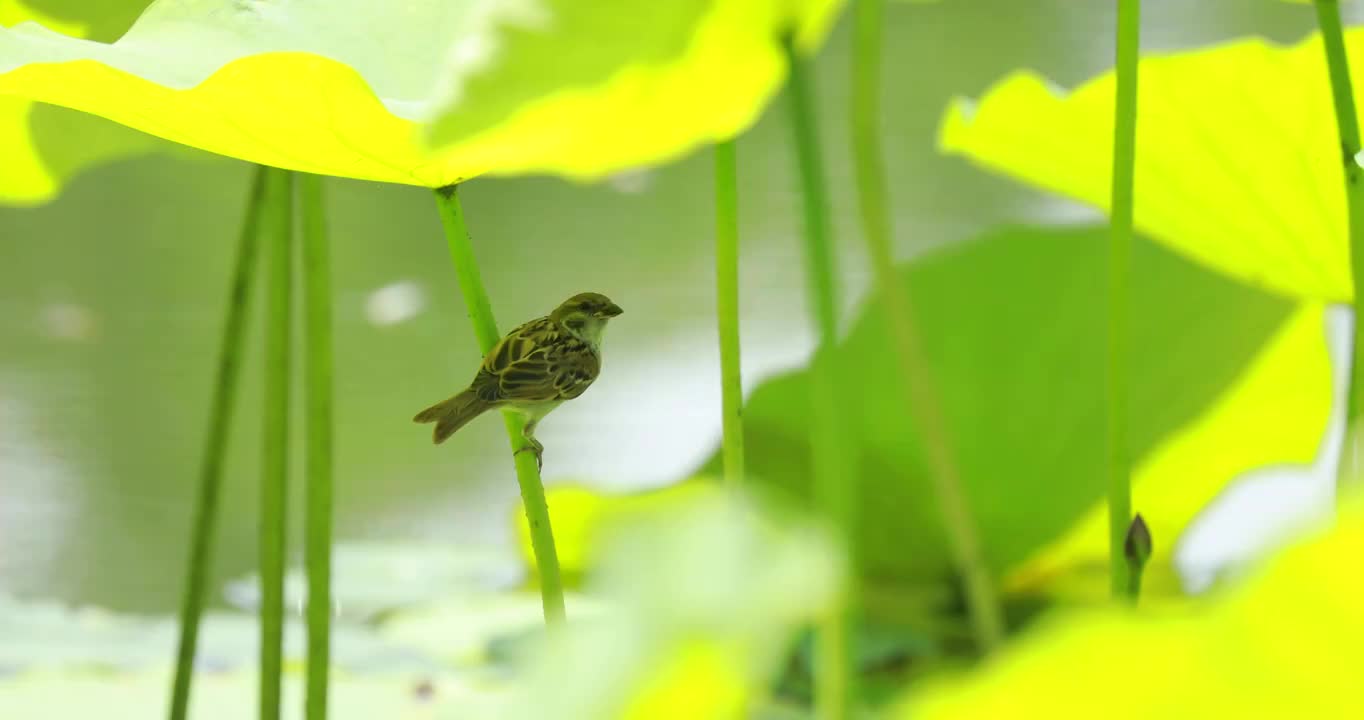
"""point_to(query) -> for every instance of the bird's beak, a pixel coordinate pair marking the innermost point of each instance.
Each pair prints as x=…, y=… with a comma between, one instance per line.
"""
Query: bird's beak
x=611, y=310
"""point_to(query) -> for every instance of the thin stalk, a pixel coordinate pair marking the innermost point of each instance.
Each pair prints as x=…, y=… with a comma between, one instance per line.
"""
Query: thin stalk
x=1119, y=271
x=275, y=444
x=318, y=519
x=833, y=463
x=727, y=308
x=921, y=397
x=527, y=471
x=1347, y=124
x=221, y=408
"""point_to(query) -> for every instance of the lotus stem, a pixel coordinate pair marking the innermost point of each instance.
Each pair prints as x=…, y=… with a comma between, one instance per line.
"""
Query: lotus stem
x=221, y=410
x=835, y=473
x=1119, y=281
x=527, y=469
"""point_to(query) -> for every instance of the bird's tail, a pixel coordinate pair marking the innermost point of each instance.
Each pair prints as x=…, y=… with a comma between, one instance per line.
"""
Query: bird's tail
x=452, y=414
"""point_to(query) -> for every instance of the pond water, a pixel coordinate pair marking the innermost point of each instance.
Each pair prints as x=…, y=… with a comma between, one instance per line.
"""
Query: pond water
x=111, y=302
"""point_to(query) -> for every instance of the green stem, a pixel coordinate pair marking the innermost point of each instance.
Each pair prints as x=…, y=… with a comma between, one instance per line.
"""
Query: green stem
x=1119, y=261
x=527, y=472
x=275, y=444
x=921, y=397
x=318, y=521
x=727, y=308
x=1347, y=123
x=834, y=466
x=221, y=409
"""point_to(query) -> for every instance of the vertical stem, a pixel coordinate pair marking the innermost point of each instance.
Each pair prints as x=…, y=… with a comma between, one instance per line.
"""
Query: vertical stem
x=1347, y=123
x=834, y=471
x=318, y=520
x=1119, y=260
x=221, y=409
x=921, y=398
x=275, y=444
x=727, y=308
x=527, y=472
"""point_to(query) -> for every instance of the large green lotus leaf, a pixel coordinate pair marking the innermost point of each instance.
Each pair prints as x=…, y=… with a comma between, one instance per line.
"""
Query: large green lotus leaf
x=1013, y=326
x=44, y=145
x=1289, y=643
x=343, y=87
x=1272, y=412
x=1238, y=162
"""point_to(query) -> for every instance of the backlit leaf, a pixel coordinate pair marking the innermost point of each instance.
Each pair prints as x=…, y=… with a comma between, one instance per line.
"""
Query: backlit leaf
x=1238, y=163
x=44, y=146
x=342, y=88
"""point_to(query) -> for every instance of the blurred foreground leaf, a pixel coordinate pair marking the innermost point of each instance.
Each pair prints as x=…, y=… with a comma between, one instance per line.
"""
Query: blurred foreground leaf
x=1239, y=164
x=706, y=595
x=1287, y=644
x=581, y=515
x=341, y=88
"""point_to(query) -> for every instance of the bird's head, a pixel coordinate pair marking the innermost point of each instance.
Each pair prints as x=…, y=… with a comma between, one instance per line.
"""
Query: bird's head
x=585, y=315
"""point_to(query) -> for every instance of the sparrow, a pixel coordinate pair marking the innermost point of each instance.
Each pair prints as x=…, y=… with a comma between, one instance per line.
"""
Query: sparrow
x=532, y=370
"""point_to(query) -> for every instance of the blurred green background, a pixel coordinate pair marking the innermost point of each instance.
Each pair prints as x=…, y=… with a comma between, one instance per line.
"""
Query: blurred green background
x=111, y=301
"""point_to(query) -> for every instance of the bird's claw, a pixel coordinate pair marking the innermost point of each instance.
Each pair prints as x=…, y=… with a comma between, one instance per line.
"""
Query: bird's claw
x=535, y=447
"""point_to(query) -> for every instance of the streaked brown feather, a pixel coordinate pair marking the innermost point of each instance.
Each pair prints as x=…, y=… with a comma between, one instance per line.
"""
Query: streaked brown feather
x=536, y=366
x=537, y=362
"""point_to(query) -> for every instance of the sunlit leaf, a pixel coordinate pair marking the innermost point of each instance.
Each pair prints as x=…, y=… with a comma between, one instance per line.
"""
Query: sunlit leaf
x=341, y=88
x=43, y=146
x=1287, y=644
x=1238, y=165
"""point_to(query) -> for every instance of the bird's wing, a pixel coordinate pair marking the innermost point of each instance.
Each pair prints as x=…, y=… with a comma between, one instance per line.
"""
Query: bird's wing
x=577, y=367
x=537, y=362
